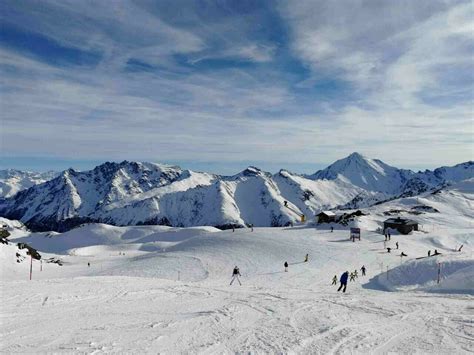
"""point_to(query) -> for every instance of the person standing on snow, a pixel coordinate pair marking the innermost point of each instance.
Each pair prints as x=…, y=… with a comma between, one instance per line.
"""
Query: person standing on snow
x=235, y=275
x=352, y=277
x=334, y=280
x=343, y=281
x=356, y=274
x=429, y=252
x=363, y=270
x=306, y=258
x=396, y=244
x=286, y=266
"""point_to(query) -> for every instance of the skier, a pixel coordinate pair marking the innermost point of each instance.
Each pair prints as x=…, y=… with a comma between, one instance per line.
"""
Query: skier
x=352, y=277
x=356, y=274
x=334, y=280
x=343, y=281
x=436, y=252
x=460, y=248
x=403, y=254
x=363, y=270
x=332, y=229
x=235, y=275
x=88, y=264
x=286, y=203
x=388, y=250
x=306, y=258
x=429, y=252
x=286, y=266
x=396, y=244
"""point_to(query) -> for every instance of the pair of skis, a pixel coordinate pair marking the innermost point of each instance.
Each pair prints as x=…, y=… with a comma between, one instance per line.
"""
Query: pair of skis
x=235, y=278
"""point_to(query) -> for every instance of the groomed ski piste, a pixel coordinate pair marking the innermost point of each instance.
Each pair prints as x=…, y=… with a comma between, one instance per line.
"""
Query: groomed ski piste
x=155, y=289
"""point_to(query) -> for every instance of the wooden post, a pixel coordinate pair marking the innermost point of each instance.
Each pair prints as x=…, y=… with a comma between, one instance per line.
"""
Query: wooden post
x=439, y=271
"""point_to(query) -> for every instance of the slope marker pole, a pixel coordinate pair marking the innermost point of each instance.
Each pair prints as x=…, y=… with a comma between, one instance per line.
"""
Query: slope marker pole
x=439, y=271
x=31, y=265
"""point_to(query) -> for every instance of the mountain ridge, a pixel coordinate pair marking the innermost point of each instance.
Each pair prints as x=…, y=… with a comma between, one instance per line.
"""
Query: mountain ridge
x=133, y=193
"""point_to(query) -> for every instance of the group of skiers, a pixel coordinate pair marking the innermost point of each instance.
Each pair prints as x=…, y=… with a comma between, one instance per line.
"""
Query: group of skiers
x=347, y=277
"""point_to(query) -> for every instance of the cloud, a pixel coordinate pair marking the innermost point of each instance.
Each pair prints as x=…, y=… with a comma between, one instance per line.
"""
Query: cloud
x=308, y=81
x=396, y=57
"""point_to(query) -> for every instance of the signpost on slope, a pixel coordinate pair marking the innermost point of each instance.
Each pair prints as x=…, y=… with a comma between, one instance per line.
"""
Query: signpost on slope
x=355, y=233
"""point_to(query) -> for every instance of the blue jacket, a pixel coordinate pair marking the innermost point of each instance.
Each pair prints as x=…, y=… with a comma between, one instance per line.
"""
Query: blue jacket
x=344, y=277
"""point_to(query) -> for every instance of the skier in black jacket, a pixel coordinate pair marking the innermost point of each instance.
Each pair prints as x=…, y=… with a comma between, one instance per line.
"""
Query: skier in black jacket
x=235, y=275
x=343, y=280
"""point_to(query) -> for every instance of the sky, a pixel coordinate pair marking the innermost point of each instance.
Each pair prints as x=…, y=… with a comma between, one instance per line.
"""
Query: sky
x=220, y=85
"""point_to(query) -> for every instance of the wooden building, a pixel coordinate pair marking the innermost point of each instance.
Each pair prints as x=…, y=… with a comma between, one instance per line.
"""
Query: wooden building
x=402, y=225
x=326, y=217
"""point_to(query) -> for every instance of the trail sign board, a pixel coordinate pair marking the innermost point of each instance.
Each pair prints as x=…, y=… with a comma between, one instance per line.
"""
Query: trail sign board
x=355, y=234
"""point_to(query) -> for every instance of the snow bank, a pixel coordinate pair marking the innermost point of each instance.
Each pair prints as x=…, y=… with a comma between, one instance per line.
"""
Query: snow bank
x=457, y=276
x=97, y=234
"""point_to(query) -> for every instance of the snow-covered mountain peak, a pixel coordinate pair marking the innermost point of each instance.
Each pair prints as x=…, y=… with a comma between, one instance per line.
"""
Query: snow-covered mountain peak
x=251, y=171
x=369, y=174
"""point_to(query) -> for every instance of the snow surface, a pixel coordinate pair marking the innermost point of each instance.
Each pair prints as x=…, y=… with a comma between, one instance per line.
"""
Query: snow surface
x=153, y=289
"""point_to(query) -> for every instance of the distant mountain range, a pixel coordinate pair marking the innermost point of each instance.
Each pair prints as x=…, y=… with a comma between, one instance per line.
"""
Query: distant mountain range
x=12, y=181
x=133, y=193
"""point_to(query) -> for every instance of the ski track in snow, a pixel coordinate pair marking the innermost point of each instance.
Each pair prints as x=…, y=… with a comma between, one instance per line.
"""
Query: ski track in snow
x=134, y=303
x=121, y=314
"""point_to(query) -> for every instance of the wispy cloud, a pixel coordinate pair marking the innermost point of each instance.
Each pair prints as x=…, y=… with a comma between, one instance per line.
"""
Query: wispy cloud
x=226, y=81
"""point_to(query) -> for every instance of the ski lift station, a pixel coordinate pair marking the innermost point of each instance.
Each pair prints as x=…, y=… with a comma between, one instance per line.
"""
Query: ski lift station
x=326, y=217
x=402, y=225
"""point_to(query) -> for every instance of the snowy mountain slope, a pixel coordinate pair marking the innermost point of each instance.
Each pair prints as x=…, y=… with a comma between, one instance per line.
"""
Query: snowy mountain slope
x=161, y=289
x=139, y=193
x=381, y=182
x=443, y=209
x=369, y=174
x=310, y=196
x=130, y=193
x=12, y=181
x=75, y=197
x=444, y=174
